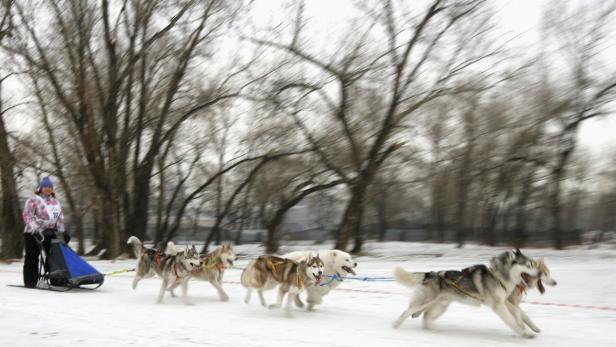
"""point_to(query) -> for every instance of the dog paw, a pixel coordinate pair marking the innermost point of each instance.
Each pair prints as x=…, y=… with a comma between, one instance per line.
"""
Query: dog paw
x=396, y=324
x=426, y=326
x=528, y=335
x=535, y=329
x=225, y=297
x=273, y=306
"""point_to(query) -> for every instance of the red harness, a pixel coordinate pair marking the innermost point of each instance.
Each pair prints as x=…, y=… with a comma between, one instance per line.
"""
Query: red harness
x=158, y=262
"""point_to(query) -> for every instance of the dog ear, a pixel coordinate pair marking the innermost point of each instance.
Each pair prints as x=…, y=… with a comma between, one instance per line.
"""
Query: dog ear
x=502, y=258
x=517, y=252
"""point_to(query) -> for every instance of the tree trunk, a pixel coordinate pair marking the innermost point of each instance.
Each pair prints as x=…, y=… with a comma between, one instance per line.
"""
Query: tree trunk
x=271, y=244
x=97, y=236
x=555, y=209
x=489, y=224
x=520, y=236
x=10, y=220
x=351, y=221
x=567, y=143
x=439, y=188
x=77, y=219
x=246, y=215
x=460, y=216
x=111, y=236
x=137, y=224
x=382, y=215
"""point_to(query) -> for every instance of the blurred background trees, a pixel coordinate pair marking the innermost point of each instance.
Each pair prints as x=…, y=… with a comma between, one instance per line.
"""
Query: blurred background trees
x=195, y=120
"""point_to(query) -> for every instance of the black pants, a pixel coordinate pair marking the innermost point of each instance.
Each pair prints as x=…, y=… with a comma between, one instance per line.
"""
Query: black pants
x=33, y=251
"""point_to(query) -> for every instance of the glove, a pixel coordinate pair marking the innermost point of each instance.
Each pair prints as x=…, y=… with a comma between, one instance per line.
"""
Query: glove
x=38, y=236
x=67, y=237
x=49, y=233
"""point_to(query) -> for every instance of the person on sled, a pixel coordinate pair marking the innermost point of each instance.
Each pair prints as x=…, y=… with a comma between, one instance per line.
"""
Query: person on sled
x=44, y=220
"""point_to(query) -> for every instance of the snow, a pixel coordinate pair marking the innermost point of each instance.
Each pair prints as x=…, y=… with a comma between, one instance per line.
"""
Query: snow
x=358, y=313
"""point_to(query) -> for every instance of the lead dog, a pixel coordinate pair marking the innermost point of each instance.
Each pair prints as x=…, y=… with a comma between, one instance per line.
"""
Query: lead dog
x=174, y=269
x=212, y=268
x=516, y=297
x=476, y=285
x=336, y=266
x=269, y=271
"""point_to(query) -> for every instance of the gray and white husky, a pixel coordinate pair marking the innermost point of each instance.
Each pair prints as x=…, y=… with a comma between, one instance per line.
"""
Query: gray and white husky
x=173, y=269
x=476, y=285
x=212, y=268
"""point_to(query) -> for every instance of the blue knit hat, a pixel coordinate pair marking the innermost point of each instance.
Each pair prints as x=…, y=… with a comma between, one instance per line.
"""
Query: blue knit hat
x=46, y=182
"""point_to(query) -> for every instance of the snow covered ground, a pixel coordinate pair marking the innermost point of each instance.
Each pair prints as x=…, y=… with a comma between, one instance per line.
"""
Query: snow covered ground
x=358, y=313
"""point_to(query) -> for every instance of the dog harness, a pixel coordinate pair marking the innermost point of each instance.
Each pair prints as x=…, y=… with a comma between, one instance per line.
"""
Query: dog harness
x=210, y=263
x=160, y=263
x=446, y=276
x=455, y=284
x=272, y=266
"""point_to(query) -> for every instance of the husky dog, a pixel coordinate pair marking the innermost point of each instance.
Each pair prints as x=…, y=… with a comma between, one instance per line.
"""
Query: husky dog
x=337, y=265
x=212, y=269
x=533, y=282
x=475, y=285
x=174, y=269
x=268, y=271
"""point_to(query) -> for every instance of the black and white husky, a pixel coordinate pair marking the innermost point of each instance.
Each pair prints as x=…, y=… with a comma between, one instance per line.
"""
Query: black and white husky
x=476, y=285
x=173, y=269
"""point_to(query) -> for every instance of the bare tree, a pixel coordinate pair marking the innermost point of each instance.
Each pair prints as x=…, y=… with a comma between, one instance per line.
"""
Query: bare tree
x=412, y=44
x=10, y=218
x=114, y=74
x=581, y=32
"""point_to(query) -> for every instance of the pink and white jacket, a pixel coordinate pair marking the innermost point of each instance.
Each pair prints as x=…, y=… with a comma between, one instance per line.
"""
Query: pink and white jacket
x=43, y=212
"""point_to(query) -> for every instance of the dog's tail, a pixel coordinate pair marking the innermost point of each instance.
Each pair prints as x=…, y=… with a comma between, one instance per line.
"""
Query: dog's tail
x=137, y=245
x=409, y=279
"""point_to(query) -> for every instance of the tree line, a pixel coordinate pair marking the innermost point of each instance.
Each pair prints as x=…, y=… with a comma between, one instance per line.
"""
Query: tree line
x=151, y=112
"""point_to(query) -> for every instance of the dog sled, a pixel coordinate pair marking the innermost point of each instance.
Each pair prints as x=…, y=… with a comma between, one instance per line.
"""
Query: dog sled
x=67, y=269
x=63, y=269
